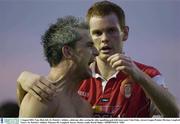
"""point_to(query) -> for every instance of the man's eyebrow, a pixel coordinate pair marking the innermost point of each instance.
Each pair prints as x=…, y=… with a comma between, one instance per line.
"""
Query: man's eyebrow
x=95, y=30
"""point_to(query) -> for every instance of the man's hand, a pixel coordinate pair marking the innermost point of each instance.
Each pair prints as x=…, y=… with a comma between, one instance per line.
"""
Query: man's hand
x=27, y=79
x=34, y=84
x=156, y=93
x=120, y=62
x=24, y=83
x=43, y=89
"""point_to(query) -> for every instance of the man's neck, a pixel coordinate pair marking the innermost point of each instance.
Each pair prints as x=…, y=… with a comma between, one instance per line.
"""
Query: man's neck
x=105, y=70
x=62, y=77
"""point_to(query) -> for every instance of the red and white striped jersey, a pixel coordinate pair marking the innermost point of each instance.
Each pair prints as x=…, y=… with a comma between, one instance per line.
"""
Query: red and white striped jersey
x=118, y=97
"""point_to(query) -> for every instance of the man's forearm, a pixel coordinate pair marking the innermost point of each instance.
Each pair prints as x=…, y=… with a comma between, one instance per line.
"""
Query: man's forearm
x=163, y=100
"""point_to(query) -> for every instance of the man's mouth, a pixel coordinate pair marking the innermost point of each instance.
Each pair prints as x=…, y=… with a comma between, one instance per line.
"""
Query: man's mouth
x=105, y=49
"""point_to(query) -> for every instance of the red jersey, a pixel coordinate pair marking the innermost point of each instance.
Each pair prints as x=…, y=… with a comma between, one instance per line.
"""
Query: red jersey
x=119, y=98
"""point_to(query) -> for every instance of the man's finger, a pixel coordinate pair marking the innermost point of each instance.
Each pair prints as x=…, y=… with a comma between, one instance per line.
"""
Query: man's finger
x=118, y=56
x=45, y=88
x=33, y=93
x=40, y=92
x=114, y=59
x=112, y=56
x=120, y=63
x=47, y=83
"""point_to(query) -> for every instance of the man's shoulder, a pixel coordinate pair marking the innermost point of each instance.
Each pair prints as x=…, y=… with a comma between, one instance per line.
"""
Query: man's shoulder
x=150, y=70
x=32, y=107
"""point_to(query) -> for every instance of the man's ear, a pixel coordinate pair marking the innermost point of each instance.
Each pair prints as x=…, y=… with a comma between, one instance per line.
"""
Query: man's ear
x=126, y=33
x=67, y=52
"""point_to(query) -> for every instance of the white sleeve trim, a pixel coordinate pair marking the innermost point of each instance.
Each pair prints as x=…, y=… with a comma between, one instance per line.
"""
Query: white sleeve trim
x=160, y=80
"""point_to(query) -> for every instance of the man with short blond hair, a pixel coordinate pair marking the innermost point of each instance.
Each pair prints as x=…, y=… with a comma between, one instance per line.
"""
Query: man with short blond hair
x=68, y=50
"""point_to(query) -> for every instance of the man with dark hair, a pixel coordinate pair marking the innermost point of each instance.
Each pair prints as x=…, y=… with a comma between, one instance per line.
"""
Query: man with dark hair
x=120, y=87
x=68, y=49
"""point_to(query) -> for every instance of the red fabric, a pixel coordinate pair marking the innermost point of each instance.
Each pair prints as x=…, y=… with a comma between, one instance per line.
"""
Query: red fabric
x=116, y=104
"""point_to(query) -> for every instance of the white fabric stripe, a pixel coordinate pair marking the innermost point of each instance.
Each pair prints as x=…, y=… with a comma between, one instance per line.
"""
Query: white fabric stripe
x=160, y=80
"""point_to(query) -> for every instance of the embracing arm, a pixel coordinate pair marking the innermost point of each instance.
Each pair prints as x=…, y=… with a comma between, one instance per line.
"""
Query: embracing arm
x=36, y=85
x=24, y=83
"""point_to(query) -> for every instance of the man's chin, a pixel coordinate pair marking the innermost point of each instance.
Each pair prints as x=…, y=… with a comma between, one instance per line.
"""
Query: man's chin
x=104, y=57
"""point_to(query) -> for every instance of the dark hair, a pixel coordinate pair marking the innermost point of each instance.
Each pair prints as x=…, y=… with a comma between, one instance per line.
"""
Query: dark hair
x=104, y=8
x=63, y=32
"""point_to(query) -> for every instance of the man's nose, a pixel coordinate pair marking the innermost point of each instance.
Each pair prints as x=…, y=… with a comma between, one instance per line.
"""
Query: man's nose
x=104, y=37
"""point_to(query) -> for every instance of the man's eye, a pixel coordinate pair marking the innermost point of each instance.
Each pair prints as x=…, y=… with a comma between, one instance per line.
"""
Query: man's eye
x=97, y=33
x=111, y=30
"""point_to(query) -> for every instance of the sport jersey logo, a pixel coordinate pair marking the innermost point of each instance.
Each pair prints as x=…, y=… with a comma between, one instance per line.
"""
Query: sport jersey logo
x=105, y=111
x=127, y=90
x=82, y=93
x=104, y=99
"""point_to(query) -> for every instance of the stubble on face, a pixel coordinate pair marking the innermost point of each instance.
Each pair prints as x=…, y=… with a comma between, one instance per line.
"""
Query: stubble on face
x=83, y=55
